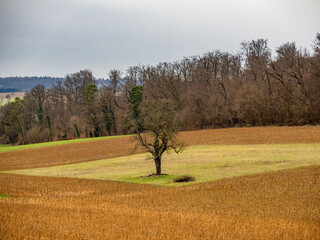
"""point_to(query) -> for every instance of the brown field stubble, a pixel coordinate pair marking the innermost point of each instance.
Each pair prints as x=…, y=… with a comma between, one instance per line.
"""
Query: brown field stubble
x=278, y=205
x=116, y=147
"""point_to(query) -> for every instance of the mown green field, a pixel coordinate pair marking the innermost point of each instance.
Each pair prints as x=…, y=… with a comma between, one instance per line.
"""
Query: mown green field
x=7, y=148
x=205, y=163
x=5, y=101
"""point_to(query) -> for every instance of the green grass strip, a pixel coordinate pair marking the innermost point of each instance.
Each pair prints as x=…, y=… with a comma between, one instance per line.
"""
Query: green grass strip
x=4, y=196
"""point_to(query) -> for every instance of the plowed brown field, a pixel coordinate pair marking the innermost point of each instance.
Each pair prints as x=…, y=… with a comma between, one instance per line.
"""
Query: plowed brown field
x=279, y=205
x=107, y=148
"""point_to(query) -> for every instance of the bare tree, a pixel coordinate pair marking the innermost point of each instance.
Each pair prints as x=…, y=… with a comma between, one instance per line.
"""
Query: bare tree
x=115, y=77
x=160, y=130
x=257, y=55
x=38, y=94
x=107, y=107
x=75, y=86
x=91, y=109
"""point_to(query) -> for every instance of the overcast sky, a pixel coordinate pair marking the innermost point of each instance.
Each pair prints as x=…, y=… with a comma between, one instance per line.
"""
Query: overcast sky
x=56, y=37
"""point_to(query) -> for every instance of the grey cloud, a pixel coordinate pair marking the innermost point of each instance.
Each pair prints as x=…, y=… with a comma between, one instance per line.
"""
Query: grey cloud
x=46, y=37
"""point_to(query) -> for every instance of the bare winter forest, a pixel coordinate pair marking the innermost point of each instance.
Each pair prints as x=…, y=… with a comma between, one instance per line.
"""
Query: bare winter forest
x=214, y=90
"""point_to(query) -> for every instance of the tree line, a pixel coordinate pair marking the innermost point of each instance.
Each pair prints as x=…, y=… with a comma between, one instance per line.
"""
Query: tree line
x=214, y=90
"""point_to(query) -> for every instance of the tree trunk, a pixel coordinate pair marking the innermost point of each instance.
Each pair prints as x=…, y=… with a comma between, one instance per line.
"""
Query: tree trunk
x=157, y=161
x=77, y=130
x=225, y=96
x=114, y=122
x=50, y=128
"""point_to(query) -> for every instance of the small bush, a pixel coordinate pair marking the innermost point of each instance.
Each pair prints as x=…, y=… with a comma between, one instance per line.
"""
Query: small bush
x=36, y=135
x=184, y=179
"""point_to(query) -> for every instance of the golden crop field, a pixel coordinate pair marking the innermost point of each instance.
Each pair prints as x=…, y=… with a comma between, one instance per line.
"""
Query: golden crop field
x=277, y=205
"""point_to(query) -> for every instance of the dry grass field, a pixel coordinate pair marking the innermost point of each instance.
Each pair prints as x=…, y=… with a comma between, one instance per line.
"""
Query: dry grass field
x=276, y=205
x=123, y=146
x=203, y=162
x=279, y=205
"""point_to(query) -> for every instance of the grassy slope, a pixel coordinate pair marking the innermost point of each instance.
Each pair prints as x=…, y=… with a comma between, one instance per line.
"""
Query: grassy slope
x=205, y=163
x=8, y=148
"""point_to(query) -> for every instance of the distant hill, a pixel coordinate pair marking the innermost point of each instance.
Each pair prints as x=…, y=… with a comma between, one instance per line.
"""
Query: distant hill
x=23, y=84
